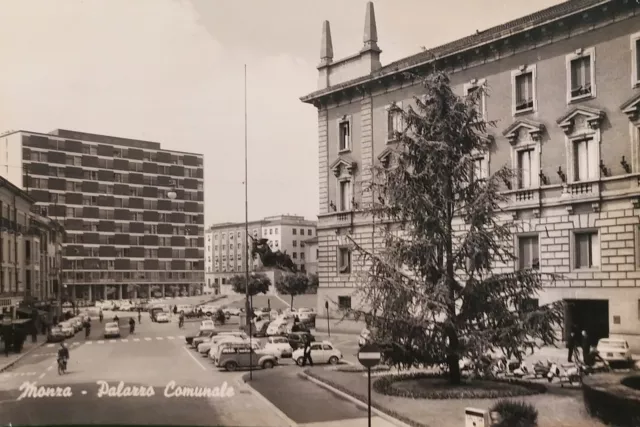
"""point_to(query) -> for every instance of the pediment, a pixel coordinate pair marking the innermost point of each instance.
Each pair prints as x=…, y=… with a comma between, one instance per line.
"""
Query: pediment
x=384, y=157
x=343, y=163
x=521, y=129
x=591, y=117
x=632, y=107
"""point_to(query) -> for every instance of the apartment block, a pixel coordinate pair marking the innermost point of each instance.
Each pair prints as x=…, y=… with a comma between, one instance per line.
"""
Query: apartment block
x=30, y=252
x=563, y=85
x=133, y=212
x=226, y=248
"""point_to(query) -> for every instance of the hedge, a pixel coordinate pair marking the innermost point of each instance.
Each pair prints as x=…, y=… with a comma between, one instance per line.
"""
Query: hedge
x=384, y=385
x=613, y=398
x=356, y=368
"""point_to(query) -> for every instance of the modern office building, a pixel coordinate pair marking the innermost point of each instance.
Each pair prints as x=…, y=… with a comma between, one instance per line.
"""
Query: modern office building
x=133, y=212
x=30, y=252
x=226, y=249
x=564, y=88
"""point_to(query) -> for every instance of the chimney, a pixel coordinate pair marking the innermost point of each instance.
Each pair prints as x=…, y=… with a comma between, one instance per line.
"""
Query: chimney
x=370, y=52
x=326, y=57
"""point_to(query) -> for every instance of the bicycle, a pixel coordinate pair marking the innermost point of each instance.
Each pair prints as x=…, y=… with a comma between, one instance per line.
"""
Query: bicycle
x=62, y=366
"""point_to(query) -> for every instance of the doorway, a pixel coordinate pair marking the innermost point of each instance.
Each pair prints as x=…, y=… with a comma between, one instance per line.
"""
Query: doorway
x=589, y=315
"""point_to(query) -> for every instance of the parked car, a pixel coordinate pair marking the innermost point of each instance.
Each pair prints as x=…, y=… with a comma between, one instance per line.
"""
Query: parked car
x=206, y=336
x=279, y=347
x=321, y=352
x=243, y=356
x=307, y=315
x=125, y=306
x=614, y=350
x=277, y=327
x=111, y=329
x=296, y=339
x=189, y=338
x=207, y=325
x=68, y=329
x=225, y=341
x=162, y=317
x=204, y=346
x=154, y=312
x=56, y=335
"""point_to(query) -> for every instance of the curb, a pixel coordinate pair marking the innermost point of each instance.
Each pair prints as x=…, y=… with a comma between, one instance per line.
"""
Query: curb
x=288, y=421
x=352, y=399
x=21, y=356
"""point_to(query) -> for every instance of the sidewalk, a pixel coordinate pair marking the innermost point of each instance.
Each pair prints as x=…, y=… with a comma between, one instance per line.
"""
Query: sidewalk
x=28, y=347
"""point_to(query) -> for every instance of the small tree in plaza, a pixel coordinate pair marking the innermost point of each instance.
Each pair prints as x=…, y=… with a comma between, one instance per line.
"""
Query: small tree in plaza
x=292, y=284
x=435, y=291
x=258, y=284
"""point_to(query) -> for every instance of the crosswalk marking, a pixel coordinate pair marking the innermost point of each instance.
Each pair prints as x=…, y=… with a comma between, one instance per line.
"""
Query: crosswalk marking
x=50, y=345
x=124, y=340
x=136, y=339
x=147, y=339
x=159, y=338
x=181, y=337
x=170, y=338
x=100, y=342
x=17, y=374
x=89, y=342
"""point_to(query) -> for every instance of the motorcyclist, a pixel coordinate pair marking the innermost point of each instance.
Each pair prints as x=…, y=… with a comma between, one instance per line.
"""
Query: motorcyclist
x=63, y=354
x=132, y=325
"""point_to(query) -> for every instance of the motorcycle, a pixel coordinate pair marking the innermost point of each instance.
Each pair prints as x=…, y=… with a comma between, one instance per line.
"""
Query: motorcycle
x=541, y=368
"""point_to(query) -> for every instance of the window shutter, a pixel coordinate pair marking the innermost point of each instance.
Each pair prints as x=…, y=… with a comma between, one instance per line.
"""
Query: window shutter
x=535, y=170
x=592, y=155
x=595, y=250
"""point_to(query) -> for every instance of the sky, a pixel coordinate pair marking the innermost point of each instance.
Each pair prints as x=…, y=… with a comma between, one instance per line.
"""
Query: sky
x=172, y=71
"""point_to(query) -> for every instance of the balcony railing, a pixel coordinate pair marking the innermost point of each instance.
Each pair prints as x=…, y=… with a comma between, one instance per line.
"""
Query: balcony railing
x=581, y=189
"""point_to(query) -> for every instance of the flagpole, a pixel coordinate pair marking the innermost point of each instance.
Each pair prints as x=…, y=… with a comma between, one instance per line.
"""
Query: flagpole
x=246, y=226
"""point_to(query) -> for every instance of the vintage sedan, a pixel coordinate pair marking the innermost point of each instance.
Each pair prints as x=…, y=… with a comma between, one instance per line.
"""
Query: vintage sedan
x=56, y=335
x=321, y=352
x=162, y=317
x=279, y=347
x=614, y=350
x=68, y=329
x=111, y=330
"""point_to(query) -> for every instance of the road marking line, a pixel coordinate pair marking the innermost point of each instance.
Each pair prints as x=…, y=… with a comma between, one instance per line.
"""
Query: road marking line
x=50, y=368
x=89, y=342
x=193, y=357
x=124, y=340
x=159, y=338
x=170, y=338
x=112, y=340
x=100, y=342
x=136, y=339
x=41, y=376
x=147, y=339
x=50, y=345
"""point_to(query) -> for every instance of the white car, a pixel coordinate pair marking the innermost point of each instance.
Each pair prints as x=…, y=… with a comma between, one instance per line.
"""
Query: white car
x=306, y=315
x=125, y=306
x=208, y=310
x=107, y=305
x=111, y=330
x=277, y=327
x=207, y=325
x=162, y=317
x=68, y=329
x=215, y=352
x=204, y=347
x=321, y=352
x=614, y=350
x=279, y=347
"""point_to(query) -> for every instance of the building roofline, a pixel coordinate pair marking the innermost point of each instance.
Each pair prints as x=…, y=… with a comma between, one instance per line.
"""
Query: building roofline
x=16, y=190
x=474, y=41
x=159, y=146
x=311, y=240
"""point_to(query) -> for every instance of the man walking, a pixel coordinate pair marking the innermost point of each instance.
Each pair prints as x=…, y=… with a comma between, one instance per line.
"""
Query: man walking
x=571, y=345
x=307, y=352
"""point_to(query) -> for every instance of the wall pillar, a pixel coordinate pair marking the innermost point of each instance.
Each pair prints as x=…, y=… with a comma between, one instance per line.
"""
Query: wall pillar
x=323, y=160
x=119, y=291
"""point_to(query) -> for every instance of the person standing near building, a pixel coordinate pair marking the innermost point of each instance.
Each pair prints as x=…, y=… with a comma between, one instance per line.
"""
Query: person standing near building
x=571, y=345
x=586, y=348
x=307, y=351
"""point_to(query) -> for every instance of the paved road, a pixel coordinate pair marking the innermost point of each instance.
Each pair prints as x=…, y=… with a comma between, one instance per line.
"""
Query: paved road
x=276, y=303
x=152, y=357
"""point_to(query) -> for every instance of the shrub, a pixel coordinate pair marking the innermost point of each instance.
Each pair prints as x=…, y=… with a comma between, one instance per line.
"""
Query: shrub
x=356, y=368
x=613, y=399
x=385, y=385
x=515, y=414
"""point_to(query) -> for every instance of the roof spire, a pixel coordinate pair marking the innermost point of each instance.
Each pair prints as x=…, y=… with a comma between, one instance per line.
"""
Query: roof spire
x=326, y=47
x=370, y=30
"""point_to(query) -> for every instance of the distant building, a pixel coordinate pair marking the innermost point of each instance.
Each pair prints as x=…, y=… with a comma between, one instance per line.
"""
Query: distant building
x=225, y=247
x=311, y=255
x=126, y=235
x=564, y=91
x=30, y=251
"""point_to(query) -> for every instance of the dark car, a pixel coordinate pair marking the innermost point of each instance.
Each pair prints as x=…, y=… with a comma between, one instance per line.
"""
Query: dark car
x=206, y=333
x=55, y=335
x=296, y=339
x=300, y=327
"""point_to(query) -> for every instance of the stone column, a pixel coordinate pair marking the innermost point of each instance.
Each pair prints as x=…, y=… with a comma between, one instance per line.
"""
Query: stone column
x=119, y=291
x=323, y=160
x=90, y=292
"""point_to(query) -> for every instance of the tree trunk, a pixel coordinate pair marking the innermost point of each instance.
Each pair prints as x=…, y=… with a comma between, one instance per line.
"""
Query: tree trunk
x=291, y=301
x=453, y=359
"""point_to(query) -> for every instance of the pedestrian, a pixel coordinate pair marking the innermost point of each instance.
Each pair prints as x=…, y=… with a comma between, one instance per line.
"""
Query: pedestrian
x=586, y=348
x=34, y=333
x=101, y=316
x=139, y=315
x=571, y=345
x=175, y=309
x=306, y=352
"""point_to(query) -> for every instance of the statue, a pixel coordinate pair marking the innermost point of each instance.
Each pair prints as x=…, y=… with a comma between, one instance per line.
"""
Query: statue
x=270, y=259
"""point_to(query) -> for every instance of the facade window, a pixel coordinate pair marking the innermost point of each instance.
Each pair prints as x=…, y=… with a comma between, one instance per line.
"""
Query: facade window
x=301, y=255
x=585, y=160
x=294, y=255
x=344, y=195
x=523, y=83
x=230, y=246
x=527, y=168
x=239, y=234
x=215, y=236
x=581, y=74
x=394, y=121
x=270, y=231
x=473, y=87
x=344, y=134
x=528, y=252
x=478, y=169
x=295, y=243
x=309, y=231
x=344, y=260
x=294, y=231
x=276, y=231
x=586, y=250
x=344, y=303
x=635, y=60
x=302, y=231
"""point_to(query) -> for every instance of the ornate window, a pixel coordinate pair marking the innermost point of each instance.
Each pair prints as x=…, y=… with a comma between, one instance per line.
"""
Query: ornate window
x=632, y=109
x=523, y=90
x=473, y=86
x=344, y=134
x=524, y=136
x=395, y=122
x=344, y=171
x=581, y=75
x=635, y=60
x=582, y=142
